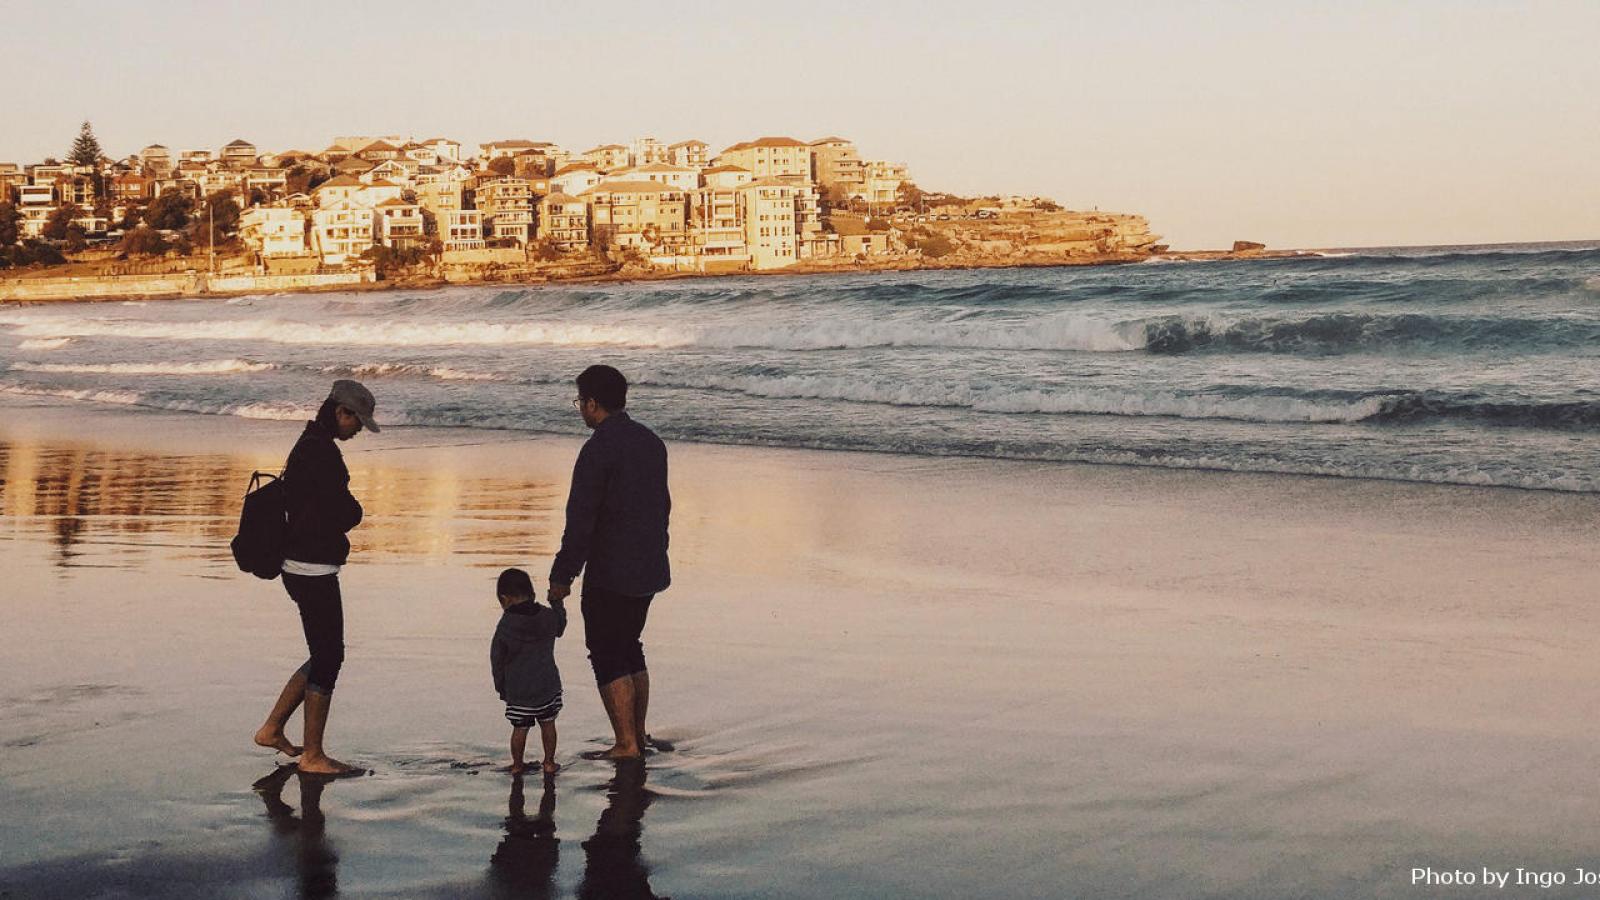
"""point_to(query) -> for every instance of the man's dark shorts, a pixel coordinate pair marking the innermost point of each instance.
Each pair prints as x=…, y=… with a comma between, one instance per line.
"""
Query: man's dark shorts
x=612, y=624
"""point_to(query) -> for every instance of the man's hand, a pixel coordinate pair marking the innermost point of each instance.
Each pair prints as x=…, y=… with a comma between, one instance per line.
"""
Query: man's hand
x=559, y=592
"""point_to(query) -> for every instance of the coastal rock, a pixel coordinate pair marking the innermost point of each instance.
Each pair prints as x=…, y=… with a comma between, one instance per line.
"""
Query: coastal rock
x=1241, y=246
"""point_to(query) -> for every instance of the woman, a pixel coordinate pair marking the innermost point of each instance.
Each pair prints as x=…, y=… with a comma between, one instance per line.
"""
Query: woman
x=321, y=510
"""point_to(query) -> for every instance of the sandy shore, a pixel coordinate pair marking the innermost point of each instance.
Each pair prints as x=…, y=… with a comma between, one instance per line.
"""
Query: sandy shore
x=886, y=676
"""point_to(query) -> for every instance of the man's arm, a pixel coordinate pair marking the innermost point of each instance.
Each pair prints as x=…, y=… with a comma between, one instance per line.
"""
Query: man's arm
x=583, y=511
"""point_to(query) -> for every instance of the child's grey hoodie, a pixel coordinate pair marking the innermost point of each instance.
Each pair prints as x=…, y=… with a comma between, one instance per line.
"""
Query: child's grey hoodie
x=523, y=653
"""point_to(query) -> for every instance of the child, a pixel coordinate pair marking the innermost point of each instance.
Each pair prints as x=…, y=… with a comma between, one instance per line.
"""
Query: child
x=523, y=658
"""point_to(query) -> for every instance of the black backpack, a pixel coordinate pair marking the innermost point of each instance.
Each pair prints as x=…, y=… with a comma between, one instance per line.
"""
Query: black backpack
x=263, y=524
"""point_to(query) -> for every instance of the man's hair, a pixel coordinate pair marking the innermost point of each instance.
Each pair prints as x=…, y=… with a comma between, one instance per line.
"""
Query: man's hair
x=605, y=386
x=514, y=583
x=327, y=415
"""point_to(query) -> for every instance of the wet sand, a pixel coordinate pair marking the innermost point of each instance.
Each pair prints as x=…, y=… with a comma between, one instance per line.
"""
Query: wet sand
x=885, y=676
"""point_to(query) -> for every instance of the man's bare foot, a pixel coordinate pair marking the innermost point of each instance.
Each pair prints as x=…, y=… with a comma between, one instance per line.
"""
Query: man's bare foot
x=550, y=766
x=327, y=765
x=518, y=768
x=266, y=737
x=614, y=752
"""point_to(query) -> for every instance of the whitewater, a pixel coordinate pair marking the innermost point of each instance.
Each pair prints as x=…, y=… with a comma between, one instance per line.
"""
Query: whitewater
x=1451, y=365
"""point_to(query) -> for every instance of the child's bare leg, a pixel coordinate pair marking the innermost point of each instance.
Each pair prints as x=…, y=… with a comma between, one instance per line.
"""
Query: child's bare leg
x=547, y=735
x=519, y=743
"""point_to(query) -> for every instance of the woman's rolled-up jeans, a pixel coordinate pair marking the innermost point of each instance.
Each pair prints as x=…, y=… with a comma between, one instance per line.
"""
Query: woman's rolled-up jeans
x=322, y=618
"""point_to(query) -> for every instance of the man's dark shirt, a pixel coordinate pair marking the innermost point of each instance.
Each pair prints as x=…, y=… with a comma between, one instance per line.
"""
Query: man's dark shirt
x=617, y=512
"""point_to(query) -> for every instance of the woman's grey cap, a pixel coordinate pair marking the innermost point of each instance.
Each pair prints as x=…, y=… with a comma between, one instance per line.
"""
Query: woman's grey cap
x=354, y=396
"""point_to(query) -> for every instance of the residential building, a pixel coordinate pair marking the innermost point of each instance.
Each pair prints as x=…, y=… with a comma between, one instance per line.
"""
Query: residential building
x=341, y=231
x=239, y=154
x=645, y=214
x=837, y=169
x=273, y=231
x=273, y=182
x=690, y=154
x=769, y=222
x=575, y=178
x=681, y=177
x=726, y=176
x=447, y=173
x=460, y=229
x=445, y=148
x=770, y=157
x=401, y=170
x=77, y=190
x=607, y=157
x=12, y=178
x=157, y=160
x=201, y=157
x=379, y=151
x=716, y=227
x=440, y=197
x=347, y=144
x=645, y=151
x=883, y=180
x=509, y=149
x=353, y=165
x=36, y=202
x=399, y=224
x=423, y=154
x=564, y=221
x=337, y=189
x=377, y=192
x=132, y=188
x=507, y=205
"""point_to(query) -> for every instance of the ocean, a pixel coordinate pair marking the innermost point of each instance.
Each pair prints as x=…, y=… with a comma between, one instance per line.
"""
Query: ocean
x=1470, y=365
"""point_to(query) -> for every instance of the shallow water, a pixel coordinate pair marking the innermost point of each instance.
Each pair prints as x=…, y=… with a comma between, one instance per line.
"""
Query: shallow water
x=883, y=679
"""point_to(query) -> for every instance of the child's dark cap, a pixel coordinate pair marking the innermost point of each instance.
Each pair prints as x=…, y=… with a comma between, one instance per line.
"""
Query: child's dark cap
x=514, y=583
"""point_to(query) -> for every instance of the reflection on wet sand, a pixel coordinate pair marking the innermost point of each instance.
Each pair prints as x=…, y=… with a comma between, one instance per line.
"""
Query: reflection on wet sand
x=316, y=866
x=613, y=867
x=112, y=508
x=524, y=865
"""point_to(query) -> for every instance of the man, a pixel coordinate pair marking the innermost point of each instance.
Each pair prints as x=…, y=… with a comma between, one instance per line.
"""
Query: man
x=616, y=527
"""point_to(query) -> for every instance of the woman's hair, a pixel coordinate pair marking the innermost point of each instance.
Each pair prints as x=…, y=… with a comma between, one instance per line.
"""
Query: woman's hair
x=327, y=416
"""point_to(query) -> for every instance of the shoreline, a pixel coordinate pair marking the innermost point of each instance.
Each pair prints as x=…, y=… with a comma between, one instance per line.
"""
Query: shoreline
x=532, y=276
x=1165, y=683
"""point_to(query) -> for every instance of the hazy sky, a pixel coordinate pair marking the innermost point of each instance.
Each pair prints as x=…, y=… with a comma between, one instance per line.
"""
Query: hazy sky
x=1298, y=124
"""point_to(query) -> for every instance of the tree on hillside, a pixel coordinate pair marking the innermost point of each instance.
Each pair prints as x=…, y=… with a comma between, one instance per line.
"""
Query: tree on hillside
x=908, y=195
x=143, y=241
x=505, y=165
x=170, y=211
x=86, y=149
x=220, y=225
x=77, y=238
x=9, y=217
x=55, y=227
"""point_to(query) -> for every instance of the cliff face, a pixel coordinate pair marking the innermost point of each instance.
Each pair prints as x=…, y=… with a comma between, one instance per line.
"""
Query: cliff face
x=1030, y=235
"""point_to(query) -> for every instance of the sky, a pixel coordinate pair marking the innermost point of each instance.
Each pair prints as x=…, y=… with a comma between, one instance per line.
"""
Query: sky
x=1297, y=124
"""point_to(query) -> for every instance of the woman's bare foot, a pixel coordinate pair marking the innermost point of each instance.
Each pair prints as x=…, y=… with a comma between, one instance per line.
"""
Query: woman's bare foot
x=550, y=766
x=267, y=737
x=616, y=751
x=327, y=765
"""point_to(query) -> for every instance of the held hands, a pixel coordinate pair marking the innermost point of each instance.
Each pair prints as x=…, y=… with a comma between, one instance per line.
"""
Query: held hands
x=559, y=592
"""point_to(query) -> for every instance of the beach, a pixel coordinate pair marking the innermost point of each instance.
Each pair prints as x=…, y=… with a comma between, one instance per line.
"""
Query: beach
x=885, y=675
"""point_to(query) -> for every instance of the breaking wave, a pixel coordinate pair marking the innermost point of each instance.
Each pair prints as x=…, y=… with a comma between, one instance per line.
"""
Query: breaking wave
x=212, y=367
